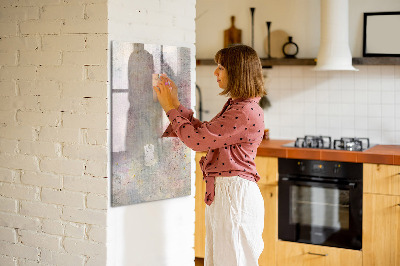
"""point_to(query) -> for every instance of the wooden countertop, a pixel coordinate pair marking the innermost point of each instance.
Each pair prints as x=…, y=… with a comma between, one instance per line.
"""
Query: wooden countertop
x=379, y=154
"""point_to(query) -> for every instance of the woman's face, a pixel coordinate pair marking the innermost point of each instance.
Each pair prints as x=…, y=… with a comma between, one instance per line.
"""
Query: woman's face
x=222, y=76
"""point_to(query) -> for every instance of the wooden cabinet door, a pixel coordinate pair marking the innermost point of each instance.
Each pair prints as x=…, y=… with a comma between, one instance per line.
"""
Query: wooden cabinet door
x=381, y=179
x=270, y=233
x=297, y=254
x=200, y=207
x=267, y=168
x=381, y=230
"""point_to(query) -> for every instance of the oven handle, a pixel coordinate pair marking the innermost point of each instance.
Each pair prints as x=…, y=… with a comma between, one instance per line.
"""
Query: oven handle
x=297, y=181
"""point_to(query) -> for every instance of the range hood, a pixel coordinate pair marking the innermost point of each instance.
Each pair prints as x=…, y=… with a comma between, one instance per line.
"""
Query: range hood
x=334, y=51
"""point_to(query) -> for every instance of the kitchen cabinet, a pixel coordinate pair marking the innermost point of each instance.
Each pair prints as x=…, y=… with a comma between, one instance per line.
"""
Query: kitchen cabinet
x=200, y=207
x=267, y=167
x=381, y=230
x=270, y=233
x=381, y=179
x=298, y=254
x=381, y=215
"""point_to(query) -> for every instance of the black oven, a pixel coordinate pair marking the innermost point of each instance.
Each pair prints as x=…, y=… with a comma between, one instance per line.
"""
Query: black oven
x=320, y=202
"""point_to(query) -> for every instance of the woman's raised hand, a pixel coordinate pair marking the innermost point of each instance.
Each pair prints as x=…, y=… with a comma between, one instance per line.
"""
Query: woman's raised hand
x=174, y=89
x=164, y=96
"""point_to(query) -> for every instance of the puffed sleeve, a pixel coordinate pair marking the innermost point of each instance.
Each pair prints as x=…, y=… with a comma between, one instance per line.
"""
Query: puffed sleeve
x=224, y=130
x=186, y=113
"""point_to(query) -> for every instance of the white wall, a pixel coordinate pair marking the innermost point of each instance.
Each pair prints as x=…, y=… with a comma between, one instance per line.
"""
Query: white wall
x=53, y=109
x=162, y=232
x=299, y=18
x=338, y=104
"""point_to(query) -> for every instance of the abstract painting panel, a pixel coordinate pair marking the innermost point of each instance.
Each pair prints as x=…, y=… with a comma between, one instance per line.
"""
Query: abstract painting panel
x=146, y=167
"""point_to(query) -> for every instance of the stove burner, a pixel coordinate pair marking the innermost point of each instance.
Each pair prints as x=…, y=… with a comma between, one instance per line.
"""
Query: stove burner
x=308, y=141
x=324, y=142
x=351, y=144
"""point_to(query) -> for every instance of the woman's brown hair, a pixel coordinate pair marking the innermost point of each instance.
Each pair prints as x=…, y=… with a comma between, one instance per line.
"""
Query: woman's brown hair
x=245, y=78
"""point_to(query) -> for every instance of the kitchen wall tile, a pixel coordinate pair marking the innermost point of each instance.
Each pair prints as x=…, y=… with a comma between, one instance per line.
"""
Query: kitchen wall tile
x=348, y=96
x=334, y=76
x=322, y=121
x=310, y=95
x=360, y=133
x=347, y=109
x=308, y=72
x=284, y=83
x=286, y=120
x=388, y=84
x=335, y=95
x=387, y=71
x=347, y=122
x=374, y=70
x=374, y=123
x=397, y=122
x=322, y=83
x=348, y=132
x=397, y=72
x=310, y=108
x=388, y=97
x=388, y=124
x=306, y=101
x=389, y=136
x=375, y=136
x=335, y=122
x=374, y=97
x=397, y=95
x=361, y=123
x=285, y=72
x=397, y=133
x=322, y=109
x=361, y=110
x=397, y=110
x=374, y=83
x=322, y=95
x=322, y=74
x=334, y=109
x=297, y=83
x=374, y=110
x=361, y=97
x=297, y=72
x=388, y=110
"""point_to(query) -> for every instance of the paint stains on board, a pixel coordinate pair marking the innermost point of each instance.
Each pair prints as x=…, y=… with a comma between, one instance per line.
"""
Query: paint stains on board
x=146, y=167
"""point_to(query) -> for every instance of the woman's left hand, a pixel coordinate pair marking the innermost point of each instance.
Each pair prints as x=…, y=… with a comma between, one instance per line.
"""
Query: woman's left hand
x=163, y=91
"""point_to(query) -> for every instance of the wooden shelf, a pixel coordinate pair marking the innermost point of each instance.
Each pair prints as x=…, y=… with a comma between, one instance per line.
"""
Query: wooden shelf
x=376, y=61
x=312, y=61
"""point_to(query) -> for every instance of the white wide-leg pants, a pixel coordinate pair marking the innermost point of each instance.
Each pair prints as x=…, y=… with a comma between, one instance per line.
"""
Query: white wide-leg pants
x=234, y=223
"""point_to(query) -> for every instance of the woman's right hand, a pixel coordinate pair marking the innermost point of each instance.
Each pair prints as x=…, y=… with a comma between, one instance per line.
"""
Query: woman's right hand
x=174, y=89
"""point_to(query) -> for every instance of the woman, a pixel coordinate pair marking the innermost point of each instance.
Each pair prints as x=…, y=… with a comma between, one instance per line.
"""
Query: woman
x=235, y=207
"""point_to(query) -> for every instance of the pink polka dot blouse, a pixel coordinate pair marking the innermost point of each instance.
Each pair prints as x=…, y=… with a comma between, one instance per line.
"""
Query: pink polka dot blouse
x=231, y=139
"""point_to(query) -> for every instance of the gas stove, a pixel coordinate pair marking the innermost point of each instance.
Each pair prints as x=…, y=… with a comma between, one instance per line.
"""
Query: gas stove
x=325, y=142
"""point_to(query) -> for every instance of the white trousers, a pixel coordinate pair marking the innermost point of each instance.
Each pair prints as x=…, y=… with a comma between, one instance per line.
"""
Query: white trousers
x=234, y=223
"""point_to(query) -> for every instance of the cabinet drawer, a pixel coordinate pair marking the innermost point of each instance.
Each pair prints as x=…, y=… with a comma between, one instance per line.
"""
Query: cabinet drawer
x=381, y=179
x=294, y=254
x=267, y=168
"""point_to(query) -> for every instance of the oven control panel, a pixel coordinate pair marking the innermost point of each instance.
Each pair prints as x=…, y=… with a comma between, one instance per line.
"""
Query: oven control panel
x=331, y=169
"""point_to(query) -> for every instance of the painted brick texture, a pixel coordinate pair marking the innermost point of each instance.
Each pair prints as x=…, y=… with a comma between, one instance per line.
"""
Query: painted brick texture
x=53, y=122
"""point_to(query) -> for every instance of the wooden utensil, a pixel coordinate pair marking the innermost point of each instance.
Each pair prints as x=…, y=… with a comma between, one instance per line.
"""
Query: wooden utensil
x=232, y=35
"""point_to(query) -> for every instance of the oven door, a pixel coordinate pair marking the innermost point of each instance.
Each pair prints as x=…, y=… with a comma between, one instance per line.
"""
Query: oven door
x=321, y=212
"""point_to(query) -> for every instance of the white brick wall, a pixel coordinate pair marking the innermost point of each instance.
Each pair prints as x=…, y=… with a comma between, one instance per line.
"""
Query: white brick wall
x=53, y=120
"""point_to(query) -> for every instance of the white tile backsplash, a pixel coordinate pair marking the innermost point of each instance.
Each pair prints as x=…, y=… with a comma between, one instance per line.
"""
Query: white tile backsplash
x=364, y=103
